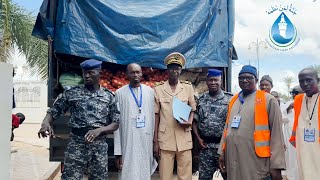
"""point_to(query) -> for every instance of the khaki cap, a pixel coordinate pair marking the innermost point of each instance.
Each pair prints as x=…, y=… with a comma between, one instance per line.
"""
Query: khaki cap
x=175, y=58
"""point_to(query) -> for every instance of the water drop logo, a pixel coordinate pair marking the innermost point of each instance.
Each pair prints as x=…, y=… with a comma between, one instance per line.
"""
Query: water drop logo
x=283, y=33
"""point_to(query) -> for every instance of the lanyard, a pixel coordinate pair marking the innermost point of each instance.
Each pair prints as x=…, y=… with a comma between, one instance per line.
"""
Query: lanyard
x=135, y=98
x=240, y=98
x=314, y=106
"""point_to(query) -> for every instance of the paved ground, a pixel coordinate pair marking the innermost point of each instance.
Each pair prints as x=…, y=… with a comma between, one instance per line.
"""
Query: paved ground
x=29, y=155
x=114, y=176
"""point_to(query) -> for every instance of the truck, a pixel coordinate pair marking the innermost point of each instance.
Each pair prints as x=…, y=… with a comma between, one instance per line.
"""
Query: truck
x=120, y=32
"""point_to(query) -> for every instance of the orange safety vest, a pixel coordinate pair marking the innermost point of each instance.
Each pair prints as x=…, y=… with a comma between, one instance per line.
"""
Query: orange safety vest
x=297, y=109
x=261, y=125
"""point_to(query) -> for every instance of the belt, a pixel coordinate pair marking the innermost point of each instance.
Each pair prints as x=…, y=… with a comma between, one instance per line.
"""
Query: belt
x=80, y=131
x=211, y=139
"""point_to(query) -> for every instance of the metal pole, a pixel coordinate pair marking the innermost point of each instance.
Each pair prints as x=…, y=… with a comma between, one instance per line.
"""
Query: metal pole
x=257, y=48
x=257, y=44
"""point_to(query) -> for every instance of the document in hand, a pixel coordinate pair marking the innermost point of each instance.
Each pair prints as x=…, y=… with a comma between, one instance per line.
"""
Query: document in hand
x=181, y=110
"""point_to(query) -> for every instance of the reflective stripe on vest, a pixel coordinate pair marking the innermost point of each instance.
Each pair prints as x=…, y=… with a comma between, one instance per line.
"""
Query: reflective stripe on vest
x=261, y=122
x=261, y=130
x=297, y=109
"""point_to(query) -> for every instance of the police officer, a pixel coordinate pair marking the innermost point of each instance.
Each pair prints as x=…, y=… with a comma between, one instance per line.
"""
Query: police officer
x=209, y=123
x=94, y=114
x=171, y=137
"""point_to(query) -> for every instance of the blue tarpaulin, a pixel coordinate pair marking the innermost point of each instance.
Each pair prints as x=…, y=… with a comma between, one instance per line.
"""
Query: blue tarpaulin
x=141, y=31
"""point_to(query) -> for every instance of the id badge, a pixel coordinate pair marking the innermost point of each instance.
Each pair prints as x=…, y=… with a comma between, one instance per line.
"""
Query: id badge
x=236, y=121
x=141, y=121
x=309, y=135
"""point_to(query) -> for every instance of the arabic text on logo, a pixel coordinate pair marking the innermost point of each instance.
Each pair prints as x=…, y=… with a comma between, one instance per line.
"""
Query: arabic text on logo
x=283, y=33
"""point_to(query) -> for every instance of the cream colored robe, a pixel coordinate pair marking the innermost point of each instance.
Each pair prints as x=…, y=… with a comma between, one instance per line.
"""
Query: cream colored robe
x=135, y=144
x=242, y=163
x=308, y=153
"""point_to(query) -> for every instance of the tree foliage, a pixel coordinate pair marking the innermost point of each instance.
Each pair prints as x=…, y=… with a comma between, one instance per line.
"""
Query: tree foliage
x=17, y=24
x=288, y=80
x=317, y=68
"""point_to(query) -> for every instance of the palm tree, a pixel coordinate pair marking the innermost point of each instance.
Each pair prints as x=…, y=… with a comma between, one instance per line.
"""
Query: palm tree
x=288, y=80
x=317, y=68
x=16, y=25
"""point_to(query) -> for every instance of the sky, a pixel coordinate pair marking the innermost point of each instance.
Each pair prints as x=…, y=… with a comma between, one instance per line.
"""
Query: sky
x=19, y=60
x=252, y=22
x=32, y=6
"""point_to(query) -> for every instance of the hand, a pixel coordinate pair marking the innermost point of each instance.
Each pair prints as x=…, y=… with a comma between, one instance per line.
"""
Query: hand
x=92, y=135
x=119, y=162
x=156, y=150
x=289, y=108
x=185, y=124
x=276, y=174
x=12, y=136
x=203, y=145
x=45, y=130
x=222, y=164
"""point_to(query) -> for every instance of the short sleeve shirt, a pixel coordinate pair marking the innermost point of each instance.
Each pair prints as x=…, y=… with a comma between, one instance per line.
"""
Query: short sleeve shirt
x=212, y=113
x=88, y=109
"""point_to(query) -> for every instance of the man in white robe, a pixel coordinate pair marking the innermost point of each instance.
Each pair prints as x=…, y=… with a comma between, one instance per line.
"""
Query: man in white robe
x=291, y=171
x=305, y=134
x=133, y=142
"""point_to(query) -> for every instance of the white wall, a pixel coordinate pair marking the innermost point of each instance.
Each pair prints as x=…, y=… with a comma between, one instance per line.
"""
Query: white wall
x=31, y=99
x=5, y=117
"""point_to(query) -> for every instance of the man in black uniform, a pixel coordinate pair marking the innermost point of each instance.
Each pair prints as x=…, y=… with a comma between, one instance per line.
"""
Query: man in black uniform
x=209, y=122
x=94, y=114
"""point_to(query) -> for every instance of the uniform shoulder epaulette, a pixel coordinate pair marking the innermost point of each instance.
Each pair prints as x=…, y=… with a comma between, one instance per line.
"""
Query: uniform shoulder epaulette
x=201, y=95
x=228, y=93
x=109, y=91
x=158, y=83
x=74, y=87
x=185, y=82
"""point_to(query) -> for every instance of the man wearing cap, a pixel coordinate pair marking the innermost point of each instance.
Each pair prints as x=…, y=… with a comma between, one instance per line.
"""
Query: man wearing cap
x=291, y=171
x=211, y=114
x=295, y=91
x=94, y=114
x=266, y=83
x=252, y=146
x=172, y=140
x=275, y=94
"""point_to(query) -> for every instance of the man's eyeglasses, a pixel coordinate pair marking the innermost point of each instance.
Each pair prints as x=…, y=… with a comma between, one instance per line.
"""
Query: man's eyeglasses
x=248, y=78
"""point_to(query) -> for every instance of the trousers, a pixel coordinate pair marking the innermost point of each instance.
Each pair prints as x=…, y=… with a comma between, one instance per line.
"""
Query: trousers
x=81, y=156
x=184, y=164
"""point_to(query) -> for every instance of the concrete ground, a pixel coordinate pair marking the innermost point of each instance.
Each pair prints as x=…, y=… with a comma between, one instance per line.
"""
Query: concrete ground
x=29, y=154
x=114, y=176
x=30, y=157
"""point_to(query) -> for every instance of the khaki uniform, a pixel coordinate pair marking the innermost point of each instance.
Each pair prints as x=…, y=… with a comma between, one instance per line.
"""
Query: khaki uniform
x=174, y=140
